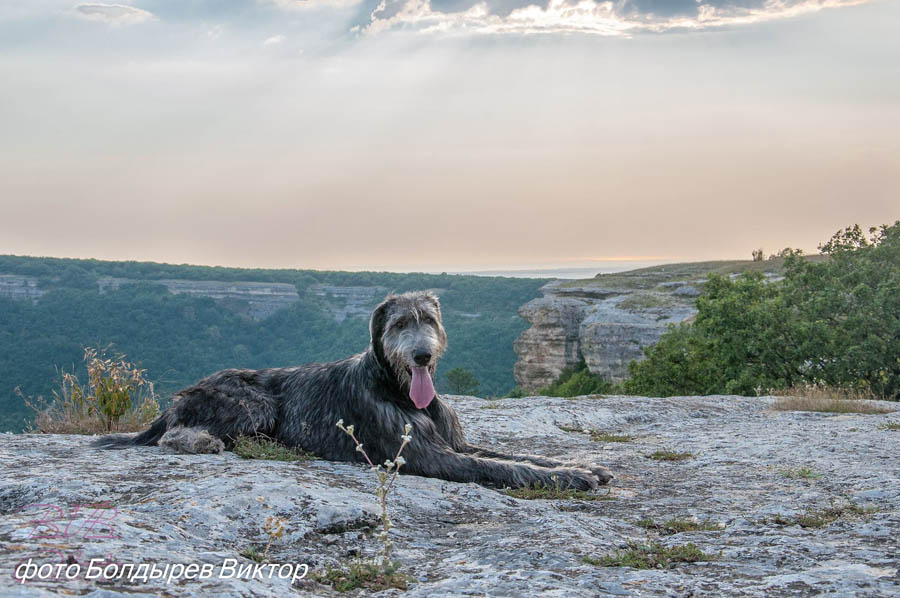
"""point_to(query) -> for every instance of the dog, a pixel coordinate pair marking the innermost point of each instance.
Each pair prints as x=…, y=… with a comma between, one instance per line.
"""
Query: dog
x=379, y=391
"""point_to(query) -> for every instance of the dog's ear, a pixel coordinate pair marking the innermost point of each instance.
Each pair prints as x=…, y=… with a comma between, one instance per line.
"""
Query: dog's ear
x=377, y=324
x=433, y=299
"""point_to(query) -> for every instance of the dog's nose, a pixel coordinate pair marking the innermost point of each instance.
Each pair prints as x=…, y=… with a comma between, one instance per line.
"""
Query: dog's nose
x=422, y=357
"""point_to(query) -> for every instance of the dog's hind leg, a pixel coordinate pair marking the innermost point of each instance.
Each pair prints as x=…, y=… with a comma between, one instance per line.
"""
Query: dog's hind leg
x=225, y=407
x=191, y=440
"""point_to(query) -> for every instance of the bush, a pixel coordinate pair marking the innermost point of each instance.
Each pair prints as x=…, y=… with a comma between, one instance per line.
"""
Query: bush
x=575, y=381
x=830, y=323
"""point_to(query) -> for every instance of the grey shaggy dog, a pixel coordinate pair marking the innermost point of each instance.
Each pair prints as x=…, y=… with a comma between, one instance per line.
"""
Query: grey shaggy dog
x=379, y=391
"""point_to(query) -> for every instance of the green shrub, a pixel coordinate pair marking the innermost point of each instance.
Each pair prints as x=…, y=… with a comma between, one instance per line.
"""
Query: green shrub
x=831, y=322
x=575, y=381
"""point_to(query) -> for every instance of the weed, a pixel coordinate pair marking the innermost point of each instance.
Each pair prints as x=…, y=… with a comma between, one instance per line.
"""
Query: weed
x=804, y=473
x=678, y=525
x=117, y=398
x=651, y=556
x=669, y=456
x=263, y=447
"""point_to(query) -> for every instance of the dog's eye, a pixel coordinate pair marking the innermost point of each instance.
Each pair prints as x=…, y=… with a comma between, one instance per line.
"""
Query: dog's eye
x=400, y=325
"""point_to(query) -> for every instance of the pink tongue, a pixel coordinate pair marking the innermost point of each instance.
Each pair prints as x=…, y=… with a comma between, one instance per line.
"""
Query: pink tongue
x=421, y=390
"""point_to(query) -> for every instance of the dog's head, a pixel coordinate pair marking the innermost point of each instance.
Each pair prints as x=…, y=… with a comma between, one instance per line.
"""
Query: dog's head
x=408, y=339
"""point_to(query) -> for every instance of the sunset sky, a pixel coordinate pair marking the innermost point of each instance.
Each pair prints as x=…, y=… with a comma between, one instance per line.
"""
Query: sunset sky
x=450, y=135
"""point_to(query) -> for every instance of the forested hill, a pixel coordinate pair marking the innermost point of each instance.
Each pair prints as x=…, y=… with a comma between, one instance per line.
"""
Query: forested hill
x=183, y=322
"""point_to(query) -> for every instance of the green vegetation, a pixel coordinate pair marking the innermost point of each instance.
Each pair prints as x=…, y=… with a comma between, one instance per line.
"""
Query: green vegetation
x=178, y=339
x=459, y=381
x=263, y=447
x=833, y=322
x=651, y=556
x=804, y=473
x=678, y=525
x=577, y=381
x=821, y=518
x=362, y=574
x=554, y=492
x=598, y=436
x=669, y=456
x=893, y=426
x=116, y=398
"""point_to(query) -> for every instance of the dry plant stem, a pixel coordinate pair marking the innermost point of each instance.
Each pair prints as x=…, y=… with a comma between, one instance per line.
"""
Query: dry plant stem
x=385, y=483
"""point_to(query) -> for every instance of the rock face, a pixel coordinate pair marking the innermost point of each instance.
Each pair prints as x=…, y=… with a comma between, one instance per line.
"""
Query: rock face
x=610, y=318
x=62, y=501
x=257, y=300
x=20, y=288
x=349, y=302
x=607, y=326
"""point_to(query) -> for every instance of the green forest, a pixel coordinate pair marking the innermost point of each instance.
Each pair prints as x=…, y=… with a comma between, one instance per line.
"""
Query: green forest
x=179, y=339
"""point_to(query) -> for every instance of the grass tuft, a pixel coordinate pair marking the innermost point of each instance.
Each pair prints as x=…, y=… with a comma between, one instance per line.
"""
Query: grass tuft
x=543, y=492
x=650, y=556
x=821, y=518
x=892, y=426
x=363, y=574
x=669, y=456
x=804, y=473
x=678, y=525
x=596, y=435
x=263, y=447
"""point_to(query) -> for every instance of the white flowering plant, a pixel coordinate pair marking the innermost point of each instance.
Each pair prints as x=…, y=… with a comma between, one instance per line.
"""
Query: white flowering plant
x=386, y=474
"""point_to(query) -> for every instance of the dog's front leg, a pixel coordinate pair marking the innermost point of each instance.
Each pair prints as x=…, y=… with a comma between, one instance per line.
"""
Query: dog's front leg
x=431, y=460
x=602, y=473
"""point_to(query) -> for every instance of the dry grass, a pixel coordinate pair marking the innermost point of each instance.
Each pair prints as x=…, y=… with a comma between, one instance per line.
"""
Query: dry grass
x=669, y=456
x=828, y=399
x=116, y=398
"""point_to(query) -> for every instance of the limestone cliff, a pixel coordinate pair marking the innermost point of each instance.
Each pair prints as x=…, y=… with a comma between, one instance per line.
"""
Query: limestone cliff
x=20, y=288
x=609, y=319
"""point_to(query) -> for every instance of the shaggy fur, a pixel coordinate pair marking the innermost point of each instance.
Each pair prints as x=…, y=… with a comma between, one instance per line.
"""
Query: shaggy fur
x=299, y=406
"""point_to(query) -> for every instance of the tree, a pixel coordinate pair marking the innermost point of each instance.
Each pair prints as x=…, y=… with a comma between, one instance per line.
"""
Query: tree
x=461, y=381
x=834, y=321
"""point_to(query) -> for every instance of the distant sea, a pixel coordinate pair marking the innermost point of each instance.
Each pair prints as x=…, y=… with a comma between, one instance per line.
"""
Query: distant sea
x=569, y=273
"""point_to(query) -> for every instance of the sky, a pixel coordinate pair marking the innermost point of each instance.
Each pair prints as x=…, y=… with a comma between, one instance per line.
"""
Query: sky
x=444, y=134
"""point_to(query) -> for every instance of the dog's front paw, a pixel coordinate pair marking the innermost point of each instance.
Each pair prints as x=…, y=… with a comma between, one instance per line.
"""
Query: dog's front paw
x=603, y=474
x=576, y=478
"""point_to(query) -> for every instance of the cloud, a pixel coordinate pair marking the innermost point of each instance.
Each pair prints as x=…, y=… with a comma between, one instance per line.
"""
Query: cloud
x=275, y=40
x=312, y=4
x=607, y=18
x=114, y=14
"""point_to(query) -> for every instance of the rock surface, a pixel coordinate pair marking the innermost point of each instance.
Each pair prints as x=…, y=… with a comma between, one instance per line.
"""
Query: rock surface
x=467, y=540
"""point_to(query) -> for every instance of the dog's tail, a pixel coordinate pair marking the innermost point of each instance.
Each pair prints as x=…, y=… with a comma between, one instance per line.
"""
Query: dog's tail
x=148, y=437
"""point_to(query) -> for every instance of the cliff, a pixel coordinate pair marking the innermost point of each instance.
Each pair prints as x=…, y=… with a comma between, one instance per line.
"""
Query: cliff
x=609, y=319
x=789, y=504
x=20, y=288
